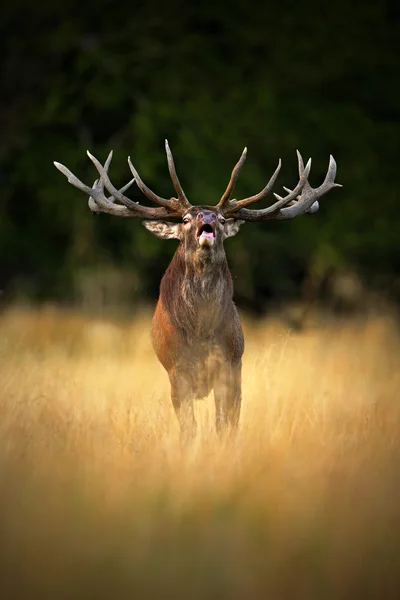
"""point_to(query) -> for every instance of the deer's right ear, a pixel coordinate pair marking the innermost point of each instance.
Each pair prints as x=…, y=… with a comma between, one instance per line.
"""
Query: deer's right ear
x=163, y=229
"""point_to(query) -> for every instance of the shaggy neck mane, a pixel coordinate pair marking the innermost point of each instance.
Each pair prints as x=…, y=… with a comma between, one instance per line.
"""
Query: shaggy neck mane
x=196, y=284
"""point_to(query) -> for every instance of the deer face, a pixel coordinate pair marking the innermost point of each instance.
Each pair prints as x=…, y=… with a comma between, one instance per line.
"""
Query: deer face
x=206, y=226
x=203, y=228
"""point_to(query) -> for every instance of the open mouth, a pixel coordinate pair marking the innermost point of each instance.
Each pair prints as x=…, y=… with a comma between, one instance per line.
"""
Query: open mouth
x=206, y=232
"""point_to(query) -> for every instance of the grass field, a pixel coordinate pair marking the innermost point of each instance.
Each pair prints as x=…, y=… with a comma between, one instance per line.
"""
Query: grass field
x=99, y=501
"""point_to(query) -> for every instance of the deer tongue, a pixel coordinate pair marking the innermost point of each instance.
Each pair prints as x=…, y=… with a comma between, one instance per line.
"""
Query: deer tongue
x=206, y=238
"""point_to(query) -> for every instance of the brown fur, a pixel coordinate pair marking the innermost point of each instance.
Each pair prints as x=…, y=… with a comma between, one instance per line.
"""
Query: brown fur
x=196, y=331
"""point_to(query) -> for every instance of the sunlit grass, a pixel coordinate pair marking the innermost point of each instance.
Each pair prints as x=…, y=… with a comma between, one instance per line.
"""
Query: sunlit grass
x=98, y=499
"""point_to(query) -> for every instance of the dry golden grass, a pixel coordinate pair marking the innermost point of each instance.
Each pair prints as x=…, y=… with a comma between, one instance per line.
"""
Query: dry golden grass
x=98, y=500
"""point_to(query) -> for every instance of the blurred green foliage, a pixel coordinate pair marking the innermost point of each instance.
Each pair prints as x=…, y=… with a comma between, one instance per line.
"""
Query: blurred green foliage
x=211, y=79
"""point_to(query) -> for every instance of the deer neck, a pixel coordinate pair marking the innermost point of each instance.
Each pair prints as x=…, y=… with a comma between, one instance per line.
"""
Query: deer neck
x=203, y=270
x=196, y=289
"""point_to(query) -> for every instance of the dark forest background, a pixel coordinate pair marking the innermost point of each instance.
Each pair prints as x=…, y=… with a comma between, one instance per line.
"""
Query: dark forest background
x=211, y=77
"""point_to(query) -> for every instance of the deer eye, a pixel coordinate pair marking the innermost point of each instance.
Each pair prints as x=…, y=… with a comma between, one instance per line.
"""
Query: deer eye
x=186, y=220
x=222, y=221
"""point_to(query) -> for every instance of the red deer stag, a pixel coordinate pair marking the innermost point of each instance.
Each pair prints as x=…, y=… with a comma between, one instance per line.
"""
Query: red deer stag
x=196, y=330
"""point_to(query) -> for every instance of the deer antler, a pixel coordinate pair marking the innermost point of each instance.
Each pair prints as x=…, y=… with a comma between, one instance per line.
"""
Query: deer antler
x=98, y=202
x=302, y=199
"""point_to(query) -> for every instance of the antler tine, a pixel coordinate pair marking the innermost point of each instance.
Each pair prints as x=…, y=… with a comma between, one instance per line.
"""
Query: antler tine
x=174, y=177
x=331, y=173
x=300, y=163
x=72, y=179
x=98, y=202
x=235, y=174
x=108, y=161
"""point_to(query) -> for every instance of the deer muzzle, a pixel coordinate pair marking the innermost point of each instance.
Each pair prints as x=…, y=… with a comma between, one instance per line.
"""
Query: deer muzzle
x=206, y=229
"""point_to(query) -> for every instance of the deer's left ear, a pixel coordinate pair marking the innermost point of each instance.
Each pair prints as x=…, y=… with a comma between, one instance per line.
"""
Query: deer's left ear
x=163, y=229
x=231, y=227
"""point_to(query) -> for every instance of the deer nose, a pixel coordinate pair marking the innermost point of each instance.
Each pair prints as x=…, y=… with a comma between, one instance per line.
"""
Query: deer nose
x=206, y=218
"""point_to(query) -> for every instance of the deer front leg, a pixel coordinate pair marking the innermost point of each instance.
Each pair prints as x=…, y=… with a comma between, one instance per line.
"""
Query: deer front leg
x=182, y=400
x=228, y=396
